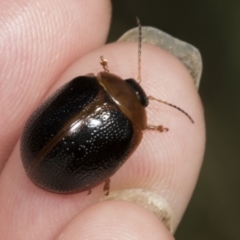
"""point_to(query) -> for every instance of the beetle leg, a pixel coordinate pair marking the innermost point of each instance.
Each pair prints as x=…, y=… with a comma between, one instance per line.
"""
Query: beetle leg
x=89, y=191
x=159, y=128
x=106, y=186
x=104, y=63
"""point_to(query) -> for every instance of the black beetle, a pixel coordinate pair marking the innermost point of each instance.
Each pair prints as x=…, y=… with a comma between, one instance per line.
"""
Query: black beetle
x=81, y=135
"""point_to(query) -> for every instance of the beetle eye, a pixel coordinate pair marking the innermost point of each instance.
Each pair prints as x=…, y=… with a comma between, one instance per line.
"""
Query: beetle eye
x=142, y=97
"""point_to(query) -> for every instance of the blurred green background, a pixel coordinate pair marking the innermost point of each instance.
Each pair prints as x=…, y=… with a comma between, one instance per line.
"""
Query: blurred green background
x=213, y=27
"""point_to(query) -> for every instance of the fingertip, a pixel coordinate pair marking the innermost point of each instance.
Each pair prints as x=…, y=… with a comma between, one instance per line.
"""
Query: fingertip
x=115, y=220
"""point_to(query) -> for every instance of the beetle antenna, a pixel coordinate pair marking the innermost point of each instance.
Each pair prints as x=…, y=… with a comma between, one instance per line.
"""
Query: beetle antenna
x=104, y=63
x=171, y=105
x=139, y=79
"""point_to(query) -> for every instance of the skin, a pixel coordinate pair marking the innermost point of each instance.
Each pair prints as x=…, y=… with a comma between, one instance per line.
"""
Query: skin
x=45, y=44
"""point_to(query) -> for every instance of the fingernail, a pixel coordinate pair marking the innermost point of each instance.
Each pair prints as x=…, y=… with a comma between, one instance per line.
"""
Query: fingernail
x=185, y=52
x=147, y=199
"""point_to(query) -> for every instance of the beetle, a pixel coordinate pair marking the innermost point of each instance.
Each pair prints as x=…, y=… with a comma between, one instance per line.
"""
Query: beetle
x=80, y=136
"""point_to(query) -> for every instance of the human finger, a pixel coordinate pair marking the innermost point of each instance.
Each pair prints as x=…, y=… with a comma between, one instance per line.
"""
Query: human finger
x=167, y=164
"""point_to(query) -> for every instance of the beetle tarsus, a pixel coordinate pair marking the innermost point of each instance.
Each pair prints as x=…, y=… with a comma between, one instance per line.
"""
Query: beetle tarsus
x=106, y=187
x=89, y=191
x=159, y=128
x=104, y=64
